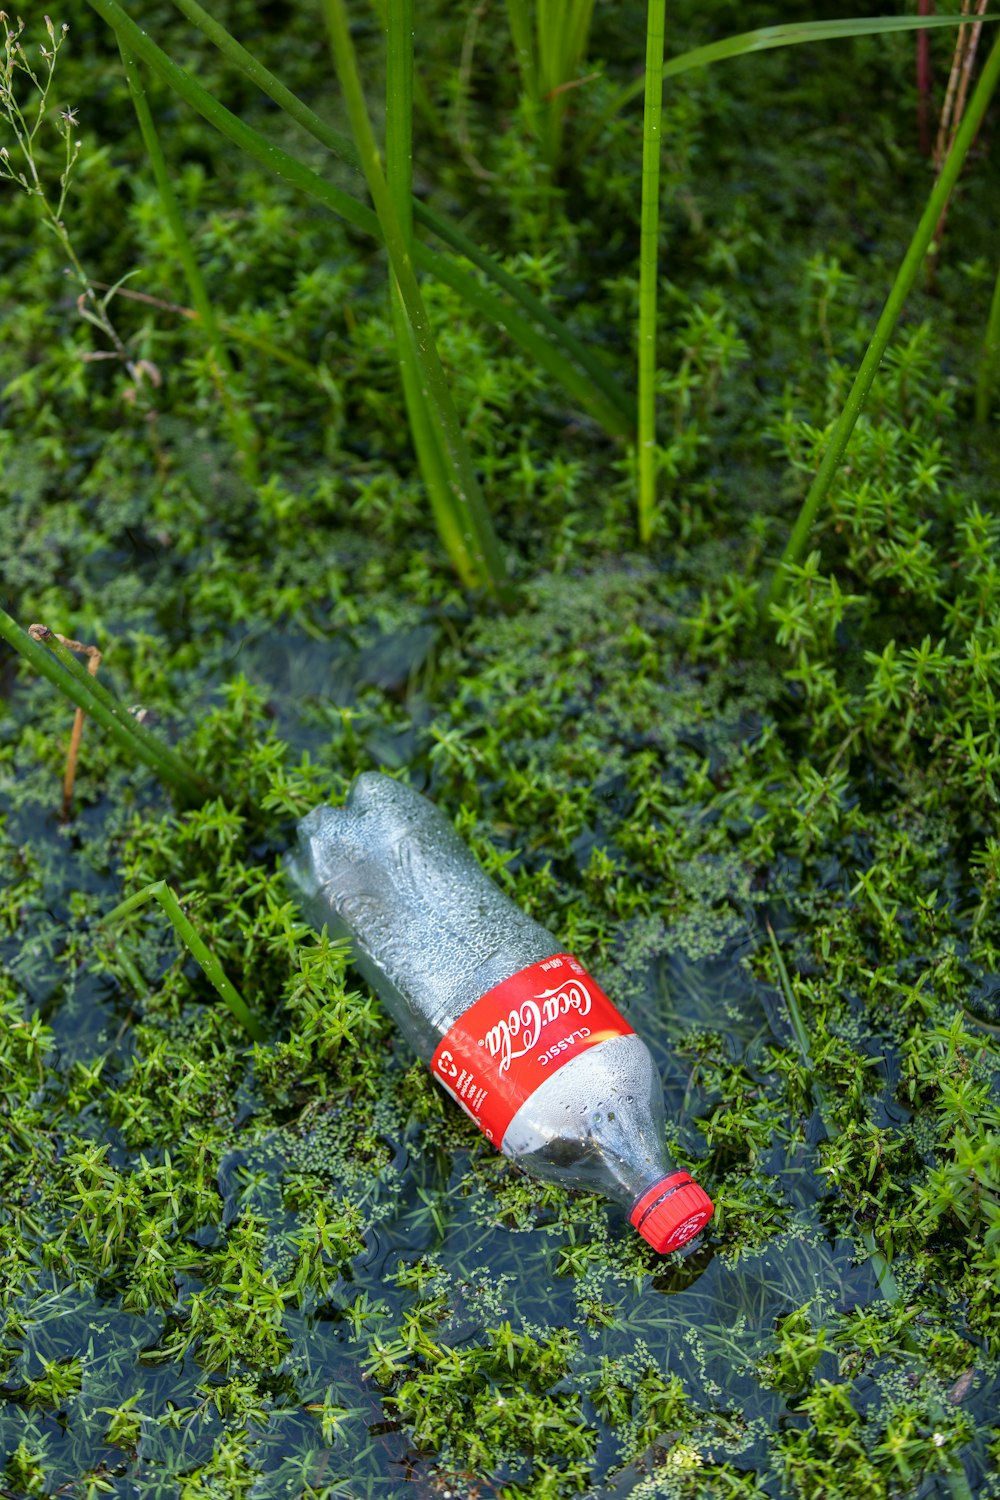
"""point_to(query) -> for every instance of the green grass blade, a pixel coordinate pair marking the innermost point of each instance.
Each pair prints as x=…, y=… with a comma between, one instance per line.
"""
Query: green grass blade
x=272, y=350
x=192, y=940
x=901, y=287
x=102, y=695
x=649, y=238
x=399, y=180
x=75, y=683
x=616, y=412
x=609, y=414
x=596, y=388
x=551, y=26
x=251, y=141
x=989, y=363
x=563, y=27
x=548, y=357
x=241, y=427
x=794, y=34
x=522, y=35
x=471, y=541
x=433, y=466
x=799, y=1030
x=551, y=21
x=341, y=145
x=399, y=112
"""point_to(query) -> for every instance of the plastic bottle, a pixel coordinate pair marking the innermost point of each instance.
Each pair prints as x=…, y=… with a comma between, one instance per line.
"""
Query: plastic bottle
x=514, y=1029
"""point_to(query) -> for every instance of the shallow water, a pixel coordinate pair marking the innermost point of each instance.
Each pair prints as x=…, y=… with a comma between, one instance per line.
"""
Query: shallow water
x=701, y=1315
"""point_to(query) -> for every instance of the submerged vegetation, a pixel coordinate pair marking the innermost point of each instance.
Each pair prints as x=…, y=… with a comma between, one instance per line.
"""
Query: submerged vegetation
x=249, y=1248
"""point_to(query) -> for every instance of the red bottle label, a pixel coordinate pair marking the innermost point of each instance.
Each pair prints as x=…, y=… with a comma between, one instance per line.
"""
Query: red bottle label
x=517, y=1035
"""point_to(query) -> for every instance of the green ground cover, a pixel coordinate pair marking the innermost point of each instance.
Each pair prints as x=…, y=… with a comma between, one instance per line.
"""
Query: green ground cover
x=292, y=1268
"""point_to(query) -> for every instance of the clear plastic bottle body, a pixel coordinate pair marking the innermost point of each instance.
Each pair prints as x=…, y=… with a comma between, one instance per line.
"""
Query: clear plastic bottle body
x=432, y=934
x=428, y=928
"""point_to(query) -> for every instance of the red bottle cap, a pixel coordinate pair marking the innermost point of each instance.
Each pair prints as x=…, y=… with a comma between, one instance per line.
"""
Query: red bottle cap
x=671, y=1212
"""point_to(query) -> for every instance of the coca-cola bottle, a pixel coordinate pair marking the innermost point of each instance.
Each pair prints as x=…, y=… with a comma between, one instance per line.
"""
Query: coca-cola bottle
x=514, y=1029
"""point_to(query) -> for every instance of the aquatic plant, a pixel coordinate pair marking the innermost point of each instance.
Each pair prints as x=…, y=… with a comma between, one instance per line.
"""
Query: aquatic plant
x=445, y=460
x=288, y=1265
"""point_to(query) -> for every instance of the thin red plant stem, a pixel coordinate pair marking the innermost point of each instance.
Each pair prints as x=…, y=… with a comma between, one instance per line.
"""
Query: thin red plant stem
x=93, y=656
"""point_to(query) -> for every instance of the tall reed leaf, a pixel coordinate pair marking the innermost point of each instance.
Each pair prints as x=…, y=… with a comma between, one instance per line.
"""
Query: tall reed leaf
x=649, y=264
x=601, y=394
x=519, y=20
x=900, y=290
x=468, y=533
x=563, y=29
x=543, y=351
x=795, y=34
x=548, y=57
x=240, y=426
x=399, y=180
x=989, y=363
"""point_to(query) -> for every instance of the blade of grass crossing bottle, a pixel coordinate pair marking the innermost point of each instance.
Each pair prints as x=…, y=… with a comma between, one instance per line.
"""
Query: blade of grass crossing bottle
x=474, y=549
x=900, y=290
x=649, y=264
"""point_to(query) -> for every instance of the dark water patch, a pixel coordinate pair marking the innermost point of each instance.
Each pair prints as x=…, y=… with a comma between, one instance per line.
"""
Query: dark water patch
x=984, y=1002
x=71, y=1355
x=66, y=872
x=312, y=681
